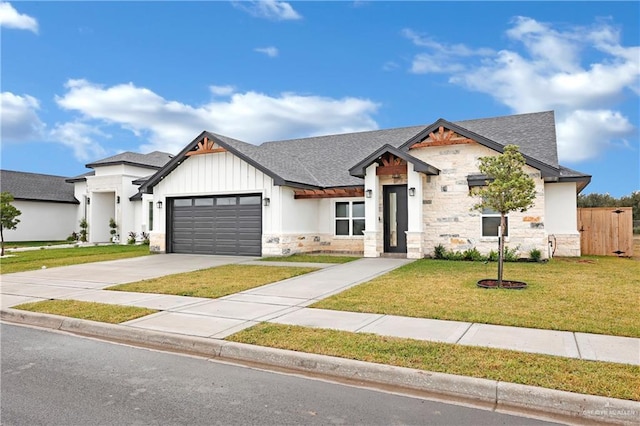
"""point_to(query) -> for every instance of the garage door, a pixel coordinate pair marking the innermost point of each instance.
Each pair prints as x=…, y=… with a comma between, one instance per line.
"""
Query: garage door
x=225, y=225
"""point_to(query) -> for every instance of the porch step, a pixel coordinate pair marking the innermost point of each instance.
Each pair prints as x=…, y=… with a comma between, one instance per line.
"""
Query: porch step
x=394, y=255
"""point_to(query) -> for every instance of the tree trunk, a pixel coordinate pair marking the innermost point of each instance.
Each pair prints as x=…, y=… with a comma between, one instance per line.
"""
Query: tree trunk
x=1, y=241
x=501, y=250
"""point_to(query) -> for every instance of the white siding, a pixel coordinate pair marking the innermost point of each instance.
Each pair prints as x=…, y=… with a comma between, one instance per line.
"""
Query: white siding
x=561, y=214
x=219, y=173
x=43, y=221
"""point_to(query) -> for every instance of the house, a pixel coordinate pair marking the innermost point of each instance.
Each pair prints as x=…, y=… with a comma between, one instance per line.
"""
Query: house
x=47, y=205
x=399, y=191
x=110, y=191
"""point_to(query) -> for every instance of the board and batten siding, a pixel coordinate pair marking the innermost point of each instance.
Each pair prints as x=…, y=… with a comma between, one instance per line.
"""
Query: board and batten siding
x=214, y=174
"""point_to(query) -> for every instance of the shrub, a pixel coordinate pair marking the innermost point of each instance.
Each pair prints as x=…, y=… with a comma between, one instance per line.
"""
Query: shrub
x=535, y=254
x=493, y=256
x=510, y=255
x=472, y=254
x=440, y=252
x=73, y=237
x=84, y=226
x=132, y=237
x=145, y=238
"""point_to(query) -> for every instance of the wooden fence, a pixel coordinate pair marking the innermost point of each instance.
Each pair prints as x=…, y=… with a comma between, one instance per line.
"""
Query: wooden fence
x=606, y=231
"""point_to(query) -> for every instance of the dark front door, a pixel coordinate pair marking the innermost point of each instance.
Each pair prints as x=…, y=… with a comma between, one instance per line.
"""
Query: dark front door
x=395, y=218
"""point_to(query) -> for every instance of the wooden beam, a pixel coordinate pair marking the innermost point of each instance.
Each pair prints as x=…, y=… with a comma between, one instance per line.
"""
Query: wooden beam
x=205, y=146
x=391, y=170
x=328, y=193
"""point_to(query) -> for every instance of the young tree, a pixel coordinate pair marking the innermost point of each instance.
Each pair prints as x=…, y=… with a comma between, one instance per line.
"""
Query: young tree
x=8, y=216
x=509, y=188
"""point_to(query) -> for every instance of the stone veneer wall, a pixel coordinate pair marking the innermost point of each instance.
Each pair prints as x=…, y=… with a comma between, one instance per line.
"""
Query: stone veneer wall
x=284, y=245
x=565, y=244
x=157, y=242
x=447, y=207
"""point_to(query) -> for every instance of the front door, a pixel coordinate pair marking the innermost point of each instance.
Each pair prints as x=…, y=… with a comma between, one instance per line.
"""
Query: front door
x=395, y=218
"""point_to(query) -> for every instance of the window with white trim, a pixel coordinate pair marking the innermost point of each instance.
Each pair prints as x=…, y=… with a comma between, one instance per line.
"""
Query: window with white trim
x=491, y=222
x=350, y=218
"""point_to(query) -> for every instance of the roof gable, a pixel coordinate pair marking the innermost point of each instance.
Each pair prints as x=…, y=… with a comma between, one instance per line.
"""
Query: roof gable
x=418, y=165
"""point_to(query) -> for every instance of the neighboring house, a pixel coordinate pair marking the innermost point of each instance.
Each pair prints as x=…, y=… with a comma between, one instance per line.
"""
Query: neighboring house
x=110, y=191
x=47, y=205
x=401, y=191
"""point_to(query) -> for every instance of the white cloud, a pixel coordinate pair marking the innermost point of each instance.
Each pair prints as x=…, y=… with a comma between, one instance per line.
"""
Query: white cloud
x=79, y=137
x=269, y=9
x=20, y=121
x=10, y=18
x=546, y=71
x=270, y=51
x=222, y=90
x=253, y=117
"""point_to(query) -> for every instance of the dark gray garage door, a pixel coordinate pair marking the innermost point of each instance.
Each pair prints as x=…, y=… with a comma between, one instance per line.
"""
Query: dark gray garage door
x=225, y=225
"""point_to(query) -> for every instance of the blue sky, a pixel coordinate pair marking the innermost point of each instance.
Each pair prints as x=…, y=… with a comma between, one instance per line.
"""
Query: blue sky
x=85, y=80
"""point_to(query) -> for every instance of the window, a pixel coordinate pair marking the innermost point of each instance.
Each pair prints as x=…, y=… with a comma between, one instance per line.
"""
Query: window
x=350, y=218
x=491, y=222
x=150, y=215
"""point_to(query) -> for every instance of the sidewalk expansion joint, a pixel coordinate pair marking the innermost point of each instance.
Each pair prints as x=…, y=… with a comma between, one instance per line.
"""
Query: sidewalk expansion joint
x=465, y=332
x=575, y=339
x=370, y=322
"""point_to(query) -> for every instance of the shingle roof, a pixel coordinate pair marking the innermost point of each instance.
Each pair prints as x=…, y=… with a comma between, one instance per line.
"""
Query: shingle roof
x=81, y=177
x=37, y=187
x=153, y=160
x=324, y=161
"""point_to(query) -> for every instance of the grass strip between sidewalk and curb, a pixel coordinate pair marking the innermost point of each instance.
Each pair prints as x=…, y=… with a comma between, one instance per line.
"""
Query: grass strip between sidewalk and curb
x=113, y=314
x=573, y=375
x=311, y=258
x=49, y=258
x=214, y=282
x=589, y=294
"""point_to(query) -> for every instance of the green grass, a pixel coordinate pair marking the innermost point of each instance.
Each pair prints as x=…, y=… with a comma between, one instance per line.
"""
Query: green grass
x=36, y=259
x=214, y=282
x=589, y=294
x=102, y=312
x=20, y=244
x=573, y=375
x=311, y=258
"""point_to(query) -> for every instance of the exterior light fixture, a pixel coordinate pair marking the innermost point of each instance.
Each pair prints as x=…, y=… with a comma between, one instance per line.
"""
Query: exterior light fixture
x=412, y=192
x=88, y=200
x=266, y=201
x=118, y=199
x=159, y=205
x=368, y=193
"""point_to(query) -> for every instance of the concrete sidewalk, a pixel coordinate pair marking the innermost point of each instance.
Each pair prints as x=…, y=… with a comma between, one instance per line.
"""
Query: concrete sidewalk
x=286, y=302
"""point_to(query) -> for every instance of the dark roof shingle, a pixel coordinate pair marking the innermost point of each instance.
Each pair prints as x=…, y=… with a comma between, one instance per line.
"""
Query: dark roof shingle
x=37, y=187
x=153, y=160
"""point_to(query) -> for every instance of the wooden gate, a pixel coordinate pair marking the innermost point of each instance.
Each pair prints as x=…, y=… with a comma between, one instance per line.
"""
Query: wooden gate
x=606, y=231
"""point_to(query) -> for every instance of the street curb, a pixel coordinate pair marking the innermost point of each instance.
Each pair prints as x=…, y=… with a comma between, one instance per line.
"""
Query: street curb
x=502, y=395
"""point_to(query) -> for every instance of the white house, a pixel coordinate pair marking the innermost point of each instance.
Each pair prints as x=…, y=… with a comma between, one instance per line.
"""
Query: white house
x=402, y=191
x=110, y=191
x=47, y=205
x=397, y=191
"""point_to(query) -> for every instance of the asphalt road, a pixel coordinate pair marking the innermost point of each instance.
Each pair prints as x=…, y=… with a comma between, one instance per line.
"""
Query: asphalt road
x=51, y=378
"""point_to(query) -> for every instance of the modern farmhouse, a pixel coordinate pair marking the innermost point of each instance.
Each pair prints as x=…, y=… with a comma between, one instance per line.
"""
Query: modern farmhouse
x=402, y=191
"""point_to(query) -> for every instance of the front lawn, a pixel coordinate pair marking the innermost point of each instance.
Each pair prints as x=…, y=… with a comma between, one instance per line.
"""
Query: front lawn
x=214, y=282
x=114, y=314
x=50, y=258
x=588, y=294
x=567, y=374
x=8, y=245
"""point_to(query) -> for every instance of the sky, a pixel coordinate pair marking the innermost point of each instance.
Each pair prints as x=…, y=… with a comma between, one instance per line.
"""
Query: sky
x=81, y=81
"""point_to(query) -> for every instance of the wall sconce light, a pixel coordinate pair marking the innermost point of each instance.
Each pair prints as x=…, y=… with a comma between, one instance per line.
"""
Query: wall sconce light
x=88, y=200
x=368, y=193
x=266, y=201
x=118, y=199
x=159, y=205
x=412, y=192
